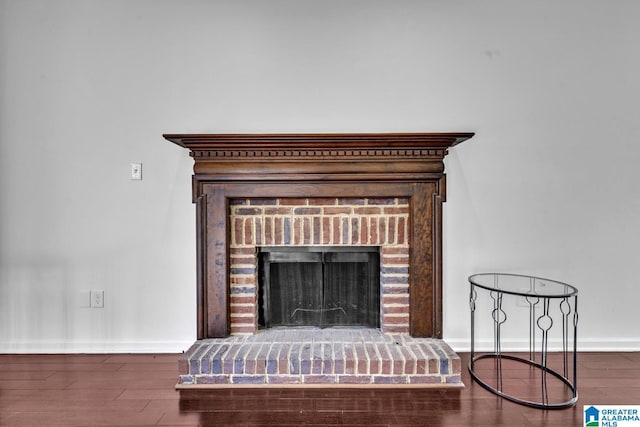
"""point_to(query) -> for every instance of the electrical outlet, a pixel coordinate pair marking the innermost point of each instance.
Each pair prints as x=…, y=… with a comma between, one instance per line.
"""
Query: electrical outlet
x=85, y=299
x=136, y=171
x=97, y=299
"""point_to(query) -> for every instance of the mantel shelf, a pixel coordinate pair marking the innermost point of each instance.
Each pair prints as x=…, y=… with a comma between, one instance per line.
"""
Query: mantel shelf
x=329, y=140
x=317, y=156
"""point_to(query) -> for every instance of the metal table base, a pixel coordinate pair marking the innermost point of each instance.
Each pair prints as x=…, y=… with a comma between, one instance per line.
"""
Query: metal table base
x=553, y=299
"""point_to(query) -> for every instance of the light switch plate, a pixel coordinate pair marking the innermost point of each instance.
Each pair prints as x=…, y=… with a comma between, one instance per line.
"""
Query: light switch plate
x=136, y=171
x=84, y=299
x=97, y=299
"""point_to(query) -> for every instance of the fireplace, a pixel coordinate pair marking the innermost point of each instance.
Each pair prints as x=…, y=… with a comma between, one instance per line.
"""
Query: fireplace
x=319, y=166
x=320, y=199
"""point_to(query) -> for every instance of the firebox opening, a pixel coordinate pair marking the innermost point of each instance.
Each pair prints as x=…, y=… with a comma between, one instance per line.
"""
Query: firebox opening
x=319, y=286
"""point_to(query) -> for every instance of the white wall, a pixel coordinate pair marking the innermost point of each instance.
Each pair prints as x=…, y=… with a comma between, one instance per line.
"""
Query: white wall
x=547, y=186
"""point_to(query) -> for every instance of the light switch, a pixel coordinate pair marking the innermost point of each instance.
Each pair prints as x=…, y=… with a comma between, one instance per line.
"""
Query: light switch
x=136, y=171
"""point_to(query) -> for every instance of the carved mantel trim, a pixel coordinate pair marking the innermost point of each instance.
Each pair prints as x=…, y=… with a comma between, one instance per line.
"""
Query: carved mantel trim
x=243, y=156
x=363, y=165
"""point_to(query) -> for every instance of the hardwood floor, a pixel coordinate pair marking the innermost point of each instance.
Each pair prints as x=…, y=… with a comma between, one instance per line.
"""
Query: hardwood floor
x=138, y=390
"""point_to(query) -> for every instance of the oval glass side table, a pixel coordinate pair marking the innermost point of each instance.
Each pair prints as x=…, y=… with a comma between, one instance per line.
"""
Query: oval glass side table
x=550, y=382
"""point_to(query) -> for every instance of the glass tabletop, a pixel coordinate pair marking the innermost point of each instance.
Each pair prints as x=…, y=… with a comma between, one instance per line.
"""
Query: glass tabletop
x=517, y=284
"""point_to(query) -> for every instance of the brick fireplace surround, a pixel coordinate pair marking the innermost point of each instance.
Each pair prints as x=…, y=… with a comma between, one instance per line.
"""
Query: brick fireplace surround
x=383, y=190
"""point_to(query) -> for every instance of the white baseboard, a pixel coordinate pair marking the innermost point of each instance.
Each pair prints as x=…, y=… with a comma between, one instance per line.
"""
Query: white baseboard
x=458, y=345
x=58, y=347
x=584, y=345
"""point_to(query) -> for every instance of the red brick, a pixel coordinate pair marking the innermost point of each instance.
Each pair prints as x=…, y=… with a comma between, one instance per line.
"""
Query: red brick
x=395, y=260
x=382, y=230
x=385, y=367
x=237, y=228
x=396, y=210
x=354, y=379
x=349, y=360
x=374, y=366
x=391, y=250
x=345, y=231
x=243, y=308
x=381, y=201
x=307, y=211
x=242, y=260
x=395, y=329
x=316, y=359
x=242, y=251
x=421, y=366
x=262, y=202
x=456, y=366
x=306, y=231
x=268, y=231
x=399, y=309
x=322, y=201
x=395, y=320
x=283, y=379
x=355, y=232
x=402, y=232
x=386, y=290
x=361, y=355
x=319, y=379
x=248, y=211
x=278, y=231
x=374, y=232
x=391, y=230
x=242, y=280
x=292, y=202
x=337, y=211
x=317, y=230
x=393, y=379
x=283, y=359
x=395, y=299
x=277, y=211
x=297, y=232
x=351, y=201
x=242, y=329
x=364, y=231
x=249, y=367
x=336, y=230
x=326, y=230
x=236, y=299
x=409, y=363
x=248, y=231
x=213, y=379
x=369, y=210
x=327, y=365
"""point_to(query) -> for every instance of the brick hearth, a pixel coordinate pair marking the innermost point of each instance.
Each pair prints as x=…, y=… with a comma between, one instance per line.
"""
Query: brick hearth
x=320, y=357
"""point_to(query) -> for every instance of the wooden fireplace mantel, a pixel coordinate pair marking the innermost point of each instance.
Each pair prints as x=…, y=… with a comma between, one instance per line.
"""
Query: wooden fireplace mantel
x=318, y=156
x=228, y=166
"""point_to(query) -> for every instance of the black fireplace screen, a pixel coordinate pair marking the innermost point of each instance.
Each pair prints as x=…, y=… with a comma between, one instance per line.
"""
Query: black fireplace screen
x=319, y=286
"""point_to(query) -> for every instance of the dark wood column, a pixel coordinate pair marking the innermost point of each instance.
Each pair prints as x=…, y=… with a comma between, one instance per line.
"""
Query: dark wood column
x=319, y=165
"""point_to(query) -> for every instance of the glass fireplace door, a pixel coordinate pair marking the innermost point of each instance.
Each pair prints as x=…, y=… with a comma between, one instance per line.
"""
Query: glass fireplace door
x=319, y=286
